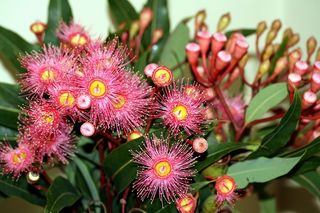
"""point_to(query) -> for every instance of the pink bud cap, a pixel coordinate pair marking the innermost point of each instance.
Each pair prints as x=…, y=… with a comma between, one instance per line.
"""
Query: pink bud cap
x=150, y=68
x=241, y=48
x=294, y=79
x=203, y=38
x=193, y=51
x=223, y=59
x=87, y=129
x=200, y=145
x=316, y=66
x=301, y=67
x=308, y=99
x=217, y=42
x=315, y=82
x=84, y=102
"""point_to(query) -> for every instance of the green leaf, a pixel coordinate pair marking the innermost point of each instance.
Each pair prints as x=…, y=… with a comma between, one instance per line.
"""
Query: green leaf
x=141, y=63
x=260, y=170
x=9, y=117
x=174, y=49
x=307, y=151
x=84, y=171
x=122, y=11
x=9, y=95
x=59, y=10
x=267, y=98
x=268, y=205
x=245, y=32
x=199, y=185
x=280, y=52
x=216, y=152
x=61, y=194
x=12, y=46
x=279, y=137
x=20, y=188
x=119, y=165
x=310, y=181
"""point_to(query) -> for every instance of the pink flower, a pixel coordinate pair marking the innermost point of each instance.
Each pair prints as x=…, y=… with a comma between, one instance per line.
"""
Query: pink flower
x=73, y=35
x=44, y=69
x=182, y=110
x=164, y=169
x=225, y=187
x=16, y=160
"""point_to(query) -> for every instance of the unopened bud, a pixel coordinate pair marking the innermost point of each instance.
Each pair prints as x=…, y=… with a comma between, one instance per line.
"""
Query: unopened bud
x=275, y=48
x=204, y=38
x=311, y=45
x=294, y=81
x=301, y=67
x=223, y=22
x=162, y=76
x=241, y=48
x=262, y=26
x=272, y=34
x=134, y=29
x=293, y=40
x=217, y=42
x=209, y=94
x=294, y=56
x=200, y=18
x=124, y=37
x=316, y=67
x=288, y=33
x=87, y=129
x=150, y=68
x=222, y=60
x=315, y=82
x=134, y=135
x=276, y=25
x=242, y=63
x=156, y=35
x=281, y=64
x=318, y=55
x=267, y=52
x=263, y=68
x=308, y=99
x=193, y=51
x=231, y=44
x=145, y=17
x=200, y=145
x=33, y=177
x=84, y=102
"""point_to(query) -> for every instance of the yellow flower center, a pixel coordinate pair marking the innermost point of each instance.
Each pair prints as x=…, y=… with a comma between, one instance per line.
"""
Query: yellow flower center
x=19, y=156
x=118, y=102
x=180, y=112
x=225, y=185
x=78, y=40
x=134, y=135
x=66, y=99
x=186, y=204
x=48, y=75
x=162, y=168
x=37, y=27
x=97, y=88
x=162, y=76
x=48, y=117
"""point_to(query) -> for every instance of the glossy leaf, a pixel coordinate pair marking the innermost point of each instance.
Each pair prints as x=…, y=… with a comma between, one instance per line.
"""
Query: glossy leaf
x=9, y=95
x=12, y=46
x=280, y=136
x=216, y=152
x=20, y=188
x=245, y=32
x=122, y=11
x=266, y=98
x=9, y=117
x=59, y=10
x=260, y=170
x=199, y=185
x=61, y=194
x=310, y=181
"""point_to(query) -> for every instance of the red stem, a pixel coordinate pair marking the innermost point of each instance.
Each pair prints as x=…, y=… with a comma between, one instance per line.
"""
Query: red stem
x=124, y=200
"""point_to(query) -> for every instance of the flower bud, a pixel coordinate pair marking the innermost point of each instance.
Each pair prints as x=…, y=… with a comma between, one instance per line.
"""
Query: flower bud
x=134, y=29
x=200, y=18
x=316, y=67
x=301, y=67
x=145, y=17
x=84, y=102
x=33, y=177
x=150, y=68
x=209, y=94
x=308, y=99
x=203, y=38
x=222, y=60
x=294, y=56
x=186, y=204
x=242, y=63
x=276, y=25
x=288, y=33
x=162, y=76
x=311, y=45
x=293, y=40
x=124, y=37
x=275, y=48
x=315, y=82
x=200, y=145
x=241, y=48
x=281, y=64
x=193, y=51
x=134, y=135
x=225, y=185
x=267, y=52
x=318, y=55
x=224, y=21
x=217, y=42
x=263, y=68
x=294, y=81
x=262, y=26
x=231, y=44
x=156, y=35
x=272, y=34
x=87, y=129
x=38, y=28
